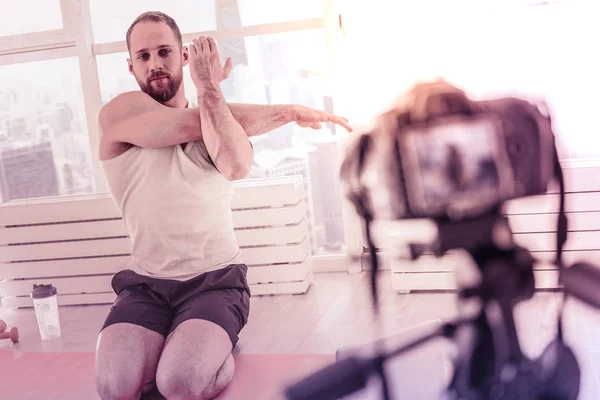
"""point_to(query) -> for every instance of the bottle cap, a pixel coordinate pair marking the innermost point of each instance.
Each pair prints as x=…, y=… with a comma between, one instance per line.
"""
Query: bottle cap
x=42, y=291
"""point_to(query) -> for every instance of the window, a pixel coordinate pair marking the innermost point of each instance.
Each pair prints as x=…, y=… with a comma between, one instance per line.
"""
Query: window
x=27, y=16
x=489, y=48
x=283, y=69
x=114, y=75
x=44, y=146
x=275, y=69
x=538, y=51
x=256, y=12
x=112, y=18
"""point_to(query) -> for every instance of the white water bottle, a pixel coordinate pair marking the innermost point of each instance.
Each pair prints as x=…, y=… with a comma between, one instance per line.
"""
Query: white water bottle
x=45, y=301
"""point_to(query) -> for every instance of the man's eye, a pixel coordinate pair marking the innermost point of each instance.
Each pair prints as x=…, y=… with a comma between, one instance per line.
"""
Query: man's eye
x=143, y=56
x=164, y=52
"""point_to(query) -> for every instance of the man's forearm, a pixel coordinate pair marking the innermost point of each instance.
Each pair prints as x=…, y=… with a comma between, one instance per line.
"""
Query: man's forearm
x=257, y=119
x=225, y=138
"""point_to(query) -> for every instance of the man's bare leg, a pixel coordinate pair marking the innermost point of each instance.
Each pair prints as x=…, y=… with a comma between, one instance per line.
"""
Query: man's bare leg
x=126, y=361
x=196, y=362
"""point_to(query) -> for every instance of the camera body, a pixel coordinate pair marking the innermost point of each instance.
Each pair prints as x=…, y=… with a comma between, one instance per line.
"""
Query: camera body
x=439, y=154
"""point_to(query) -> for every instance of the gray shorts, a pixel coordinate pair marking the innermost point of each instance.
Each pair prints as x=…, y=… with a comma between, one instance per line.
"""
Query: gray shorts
x=221, y=296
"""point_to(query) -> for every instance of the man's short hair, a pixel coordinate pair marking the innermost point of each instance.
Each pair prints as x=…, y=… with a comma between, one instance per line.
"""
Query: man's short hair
x=155, y=16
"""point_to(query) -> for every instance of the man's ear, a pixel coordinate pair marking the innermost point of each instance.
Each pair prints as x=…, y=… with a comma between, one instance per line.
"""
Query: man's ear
x=185, y=56
x=130, y=66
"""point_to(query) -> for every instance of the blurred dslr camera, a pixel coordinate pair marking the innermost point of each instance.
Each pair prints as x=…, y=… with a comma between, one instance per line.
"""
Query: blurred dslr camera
x=439, y=154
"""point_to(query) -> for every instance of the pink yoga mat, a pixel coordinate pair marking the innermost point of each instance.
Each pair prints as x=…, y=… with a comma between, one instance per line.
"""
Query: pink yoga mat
x=70, y=376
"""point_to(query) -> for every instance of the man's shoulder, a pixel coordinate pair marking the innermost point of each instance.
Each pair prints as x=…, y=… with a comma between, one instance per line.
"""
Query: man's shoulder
x=111, y=114
x=119, y=109
x=121, y=101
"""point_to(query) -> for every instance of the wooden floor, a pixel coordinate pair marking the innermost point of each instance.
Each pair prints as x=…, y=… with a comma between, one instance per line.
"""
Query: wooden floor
x=335, y=313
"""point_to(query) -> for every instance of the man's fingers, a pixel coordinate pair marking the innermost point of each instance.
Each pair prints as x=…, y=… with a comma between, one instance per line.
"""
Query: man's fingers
x=315, y=118
x=205, y=45
x=344, y=122
x=212, y=44
x=194, y=46
x=227, y=67
x=339, y=120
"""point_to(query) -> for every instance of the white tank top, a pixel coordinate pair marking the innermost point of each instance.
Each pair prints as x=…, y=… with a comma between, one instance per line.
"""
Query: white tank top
x=177, y=209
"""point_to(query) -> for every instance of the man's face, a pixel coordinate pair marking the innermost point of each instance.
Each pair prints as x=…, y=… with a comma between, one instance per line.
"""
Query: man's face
x=157, y=60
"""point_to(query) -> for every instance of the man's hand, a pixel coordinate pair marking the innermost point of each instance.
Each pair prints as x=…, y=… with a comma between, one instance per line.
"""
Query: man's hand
x=310, y=118
x=205, y=63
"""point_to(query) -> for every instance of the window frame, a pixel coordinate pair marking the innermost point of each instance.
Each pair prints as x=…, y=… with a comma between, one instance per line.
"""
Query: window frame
x=36, y=41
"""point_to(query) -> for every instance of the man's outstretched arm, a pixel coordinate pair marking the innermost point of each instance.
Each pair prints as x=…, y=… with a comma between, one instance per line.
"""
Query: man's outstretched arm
x=122, y=118
x=257, y=119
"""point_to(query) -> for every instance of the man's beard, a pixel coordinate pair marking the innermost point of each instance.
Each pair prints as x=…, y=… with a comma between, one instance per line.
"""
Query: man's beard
x=166, y=91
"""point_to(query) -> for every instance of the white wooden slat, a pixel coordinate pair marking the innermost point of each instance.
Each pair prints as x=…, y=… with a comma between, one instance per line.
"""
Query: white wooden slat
x=548, y=203
x=116, y=227
x=426, y=263
x=275, y=278
x=278, y=235
x=530, y=223
x=274, y=216
x=101, y=283
x=280, y=273
x=544, y=279
x=63, y=300
x=282, y=287
x=58, y=268
x=258, y=182
x=98, y=265
x=299, y=287
x=268, y=192
x=58, y=209
x=569, y=257
x=276, y=254
x=580, y=179
x=119, y=246
x=547, y=241
x=84, y=248
x=70, y=285
x=394, y=234
x=449, y=263
x=271, y=193
x=68, y=231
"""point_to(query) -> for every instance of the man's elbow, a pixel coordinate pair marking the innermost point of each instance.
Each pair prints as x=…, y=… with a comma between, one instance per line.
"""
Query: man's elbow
x=237, y=171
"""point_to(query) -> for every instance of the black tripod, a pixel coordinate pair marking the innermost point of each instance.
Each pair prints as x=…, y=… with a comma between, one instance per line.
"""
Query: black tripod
x=490, y=363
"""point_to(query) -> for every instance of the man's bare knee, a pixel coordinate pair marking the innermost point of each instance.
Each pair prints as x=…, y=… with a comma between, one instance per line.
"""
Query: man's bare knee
x=175, y=383
x=126, y=360
x=112, y=386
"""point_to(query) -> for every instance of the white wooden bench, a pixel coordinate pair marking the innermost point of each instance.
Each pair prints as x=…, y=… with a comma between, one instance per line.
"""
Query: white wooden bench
x=78, y=243
x=533, y=221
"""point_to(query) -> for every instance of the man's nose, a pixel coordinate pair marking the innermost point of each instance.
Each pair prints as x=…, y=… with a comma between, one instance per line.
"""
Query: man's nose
x=155, y=65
